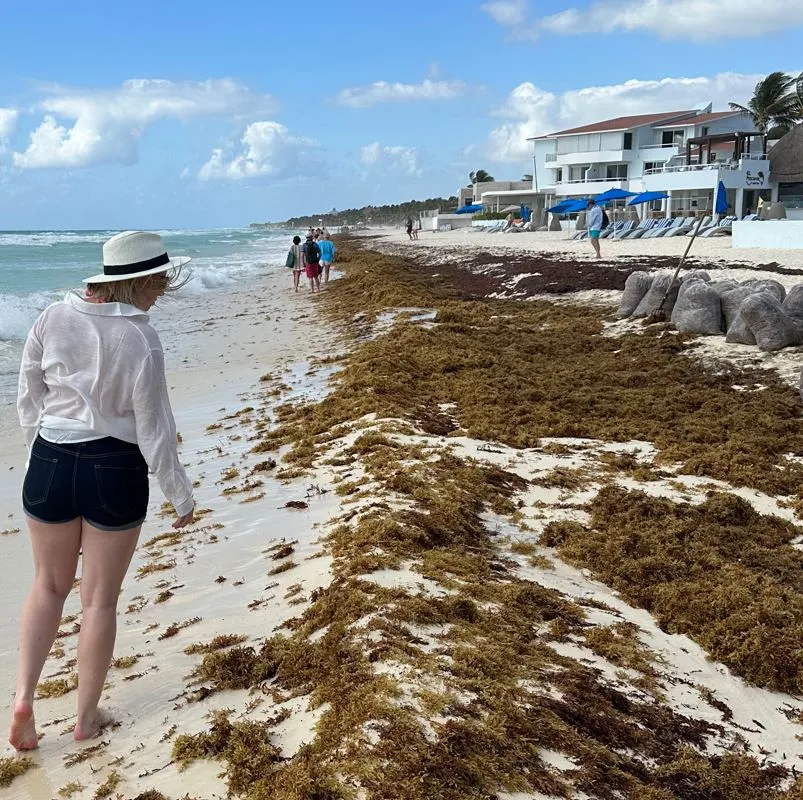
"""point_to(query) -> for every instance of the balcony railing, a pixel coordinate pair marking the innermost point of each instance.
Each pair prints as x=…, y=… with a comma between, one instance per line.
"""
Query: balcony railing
x=692, y=168
x=551, y=157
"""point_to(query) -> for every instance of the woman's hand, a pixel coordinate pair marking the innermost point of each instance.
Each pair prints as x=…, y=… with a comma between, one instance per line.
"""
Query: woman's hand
x=187, y=519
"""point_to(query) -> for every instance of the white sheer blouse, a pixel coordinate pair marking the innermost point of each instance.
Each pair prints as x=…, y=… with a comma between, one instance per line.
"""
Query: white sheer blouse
x=91, y=370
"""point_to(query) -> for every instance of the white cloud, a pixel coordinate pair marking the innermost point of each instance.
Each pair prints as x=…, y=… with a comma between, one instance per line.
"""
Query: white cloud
x=695, y=20
x=396, y=158
x=8, y=121
x=105, y=126
x=384, y=92
x=370, y=154
x=533, y=112
x=507, y=12
x=269, y=151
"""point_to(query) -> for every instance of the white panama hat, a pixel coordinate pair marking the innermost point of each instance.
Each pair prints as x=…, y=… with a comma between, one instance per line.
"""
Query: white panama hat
x=135, y=254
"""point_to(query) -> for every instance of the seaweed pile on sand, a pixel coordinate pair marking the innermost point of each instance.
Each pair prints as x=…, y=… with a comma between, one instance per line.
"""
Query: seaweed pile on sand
x=439, y=671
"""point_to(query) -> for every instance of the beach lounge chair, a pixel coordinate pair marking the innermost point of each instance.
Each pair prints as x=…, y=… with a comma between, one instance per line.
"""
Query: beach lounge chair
x=707, y=224
x=724, y=228
x=684, y=227
x=606, y=232
x=659, y=228
x=674, y=225
x=621, y=228
x=640, y=229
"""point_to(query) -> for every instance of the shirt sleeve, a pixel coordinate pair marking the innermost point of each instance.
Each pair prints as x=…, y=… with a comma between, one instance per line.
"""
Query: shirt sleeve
x=156, y=433
x=32, y=386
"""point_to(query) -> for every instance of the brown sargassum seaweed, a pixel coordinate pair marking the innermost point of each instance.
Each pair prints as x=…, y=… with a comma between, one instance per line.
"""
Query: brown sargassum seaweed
x=459, y=694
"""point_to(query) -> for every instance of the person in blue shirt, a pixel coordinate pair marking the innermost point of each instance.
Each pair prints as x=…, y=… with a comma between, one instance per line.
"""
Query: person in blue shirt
x=327, y=248
x=594, y=225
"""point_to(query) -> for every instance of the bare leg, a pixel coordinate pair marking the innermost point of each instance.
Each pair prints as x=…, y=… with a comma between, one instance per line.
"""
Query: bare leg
x=296, y=279
x=55, y=555
x=595, y=245
x=107, y=555
x=326, y=274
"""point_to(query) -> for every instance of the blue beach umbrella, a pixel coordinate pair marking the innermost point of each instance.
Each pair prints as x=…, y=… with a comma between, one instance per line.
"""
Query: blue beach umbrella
x=613, y=194
x=647, y=197
x=721, y=203
x=469, y=209
x=561, y=207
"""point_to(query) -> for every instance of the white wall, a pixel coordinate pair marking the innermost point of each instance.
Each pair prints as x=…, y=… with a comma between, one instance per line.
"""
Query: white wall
x=780, y=234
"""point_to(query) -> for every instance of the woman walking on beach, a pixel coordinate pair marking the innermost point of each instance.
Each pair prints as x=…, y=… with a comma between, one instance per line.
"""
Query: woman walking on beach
x=296, y=258
x=94, y=407
x=327, y=248
x=312, y=261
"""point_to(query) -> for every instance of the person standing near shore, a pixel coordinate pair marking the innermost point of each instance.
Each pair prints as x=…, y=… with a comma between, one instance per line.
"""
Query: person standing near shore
x=296, y=258
x=328, y=249
x=595, y=220
x=94, y=406
x=410, y=228
x=312, y=262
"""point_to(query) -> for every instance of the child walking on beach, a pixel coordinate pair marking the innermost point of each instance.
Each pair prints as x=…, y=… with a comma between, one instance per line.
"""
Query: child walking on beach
x=327, y=248
x=295, y=258
x=312, y=259
x=94, y=406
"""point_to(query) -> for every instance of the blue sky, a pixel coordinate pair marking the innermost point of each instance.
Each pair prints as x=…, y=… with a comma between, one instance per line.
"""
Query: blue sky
x=170, y=115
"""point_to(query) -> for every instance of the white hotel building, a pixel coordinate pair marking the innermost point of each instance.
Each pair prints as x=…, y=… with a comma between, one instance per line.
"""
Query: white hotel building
x=682, y=153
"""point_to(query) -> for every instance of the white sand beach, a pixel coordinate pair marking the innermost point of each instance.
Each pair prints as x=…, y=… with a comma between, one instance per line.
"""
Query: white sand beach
x=215, y=578
x=715, y=248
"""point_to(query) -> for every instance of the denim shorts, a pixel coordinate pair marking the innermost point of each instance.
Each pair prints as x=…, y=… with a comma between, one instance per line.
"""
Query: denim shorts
x=104, y=481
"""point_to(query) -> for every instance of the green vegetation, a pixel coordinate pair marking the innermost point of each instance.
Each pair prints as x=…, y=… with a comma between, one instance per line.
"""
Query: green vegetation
x=394, y=214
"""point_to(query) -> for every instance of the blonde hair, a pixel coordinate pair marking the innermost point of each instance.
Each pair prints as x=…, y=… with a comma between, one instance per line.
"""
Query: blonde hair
x=129, y=291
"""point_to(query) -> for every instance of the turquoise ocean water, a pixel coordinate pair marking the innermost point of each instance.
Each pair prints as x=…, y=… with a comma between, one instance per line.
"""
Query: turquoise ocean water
x=38, y=267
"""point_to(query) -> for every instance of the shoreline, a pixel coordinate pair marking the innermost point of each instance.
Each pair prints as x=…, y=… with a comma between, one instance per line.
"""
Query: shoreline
x=440, y=610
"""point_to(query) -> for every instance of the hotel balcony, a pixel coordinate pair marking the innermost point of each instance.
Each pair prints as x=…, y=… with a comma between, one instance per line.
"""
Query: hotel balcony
x=750, y=172
x=588, y=157
x=587, y=187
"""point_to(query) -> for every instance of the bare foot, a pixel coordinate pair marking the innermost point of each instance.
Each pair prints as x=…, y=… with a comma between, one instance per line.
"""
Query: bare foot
x=22, y=735
x=91, y=725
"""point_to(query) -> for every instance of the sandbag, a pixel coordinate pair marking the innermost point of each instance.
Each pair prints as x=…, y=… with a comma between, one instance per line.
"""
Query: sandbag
x=772, y=327
x=695, y=274
x=698, y=309
x=793, y=302
x=731, y=303
x=723, y=286
x=739, y=333
x=650, y=302
x=760, y=284
x=636, y=286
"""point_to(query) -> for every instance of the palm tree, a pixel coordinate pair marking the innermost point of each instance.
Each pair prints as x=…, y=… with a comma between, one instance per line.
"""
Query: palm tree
x=480, y=176
x=774, y=103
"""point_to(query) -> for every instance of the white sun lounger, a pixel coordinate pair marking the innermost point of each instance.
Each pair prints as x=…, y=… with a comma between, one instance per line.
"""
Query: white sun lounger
x=640, y=229
x=724, y=228
x=684, y=227
x=657, y=229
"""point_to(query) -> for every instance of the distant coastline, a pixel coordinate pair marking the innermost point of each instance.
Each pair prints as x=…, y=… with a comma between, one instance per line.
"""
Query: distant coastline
x=392, y=214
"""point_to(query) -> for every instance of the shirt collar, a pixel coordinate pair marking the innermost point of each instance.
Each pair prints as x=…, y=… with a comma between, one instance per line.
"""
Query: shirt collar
x=103, y=309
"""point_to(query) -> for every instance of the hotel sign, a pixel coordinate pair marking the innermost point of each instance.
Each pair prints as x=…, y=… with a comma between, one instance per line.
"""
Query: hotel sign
x=757, y=179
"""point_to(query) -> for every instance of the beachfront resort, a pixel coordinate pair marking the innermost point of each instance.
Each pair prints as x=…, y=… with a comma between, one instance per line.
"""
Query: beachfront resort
x=657, y=173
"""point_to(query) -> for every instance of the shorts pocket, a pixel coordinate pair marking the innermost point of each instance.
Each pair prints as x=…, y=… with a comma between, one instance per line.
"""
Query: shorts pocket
x=122, y=491
x=38, y=479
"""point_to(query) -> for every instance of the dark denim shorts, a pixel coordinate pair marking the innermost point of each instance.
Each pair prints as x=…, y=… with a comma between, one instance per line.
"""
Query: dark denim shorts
x=105, y=482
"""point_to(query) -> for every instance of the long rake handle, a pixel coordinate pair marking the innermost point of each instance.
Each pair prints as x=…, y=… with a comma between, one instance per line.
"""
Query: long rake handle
x=680, y=264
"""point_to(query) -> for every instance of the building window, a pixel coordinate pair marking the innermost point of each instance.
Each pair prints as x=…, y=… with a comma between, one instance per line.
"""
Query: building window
x=648, y=165
x=616, y=172
x=705, y=130
x=559, y=176
x=628, y=142
x=791, y=194
x=672, y=138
